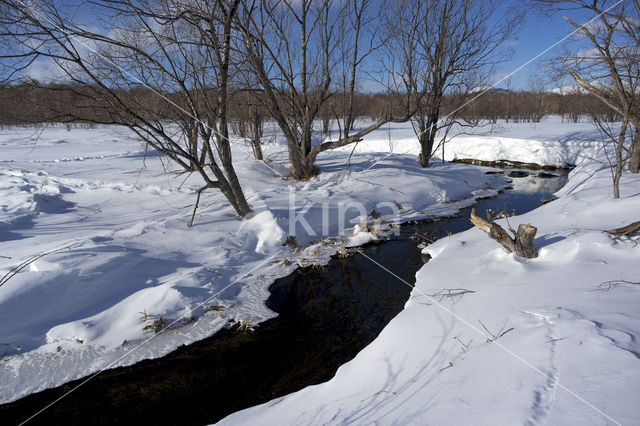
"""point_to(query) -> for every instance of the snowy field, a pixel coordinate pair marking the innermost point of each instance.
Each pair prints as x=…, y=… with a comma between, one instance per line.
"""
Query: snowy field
x=551, y=142
x=118, y=260
x=552, y=340
x=95, y=232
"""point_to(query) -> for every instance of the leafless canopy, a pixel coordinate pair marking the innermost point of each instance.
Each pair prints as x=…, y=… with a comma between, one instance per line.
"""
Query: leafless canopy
x=302, y=54
x=609, y=68
x=441, y=47
x=180, y=50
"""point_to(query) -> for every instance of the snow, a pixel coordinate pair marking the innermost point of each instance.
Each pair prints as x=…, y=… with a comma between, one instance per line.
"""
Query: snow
x=261, y=231
x=100, y=227
x=119, y=259
x=548, y=143
x=537, y=341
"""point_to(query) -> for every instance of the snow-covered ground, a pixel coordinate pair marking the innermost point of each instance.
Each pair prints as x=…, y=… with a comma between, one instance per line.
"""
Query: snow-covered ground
x=96, y=254
x=119, y=259
x=551, y=142
x=551, y=340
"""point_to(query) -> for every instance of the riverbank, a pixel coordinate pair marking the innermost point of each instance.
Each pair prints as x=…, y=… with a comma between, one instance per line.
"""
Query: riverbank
x=491, y=338
x=108, y=273
x=326, y=315
x=551, y=143
x=120, y=263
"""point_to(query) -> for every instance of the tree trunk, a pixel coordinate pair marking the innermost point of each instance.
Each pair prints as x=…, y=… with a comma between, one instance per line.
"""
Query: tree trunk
x=325, y=125
x=426, y=138
x=257, y=149
x=522, y=244
x=423, y=157
x=302, y=167
x=634, y=155
x=239, y=202
x=256, y=136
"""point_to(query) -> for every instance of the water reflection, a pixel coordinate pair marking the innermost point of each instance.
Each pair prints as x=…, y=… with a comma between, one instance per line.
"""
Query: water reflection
x=540, y=182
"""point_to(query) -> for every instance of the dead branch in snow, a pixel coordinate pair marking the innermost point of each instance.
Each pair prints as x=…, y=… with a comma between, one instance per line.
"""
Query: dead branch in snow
x=28, y=262
x=493, y=337
x=609, y=285
x=625, y=231
x=451, y=293
x=521, y=244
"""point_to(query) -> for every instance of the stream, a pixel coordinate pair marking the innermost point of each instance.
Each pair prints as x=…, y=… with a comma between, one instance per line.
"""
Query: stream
x=326, y=316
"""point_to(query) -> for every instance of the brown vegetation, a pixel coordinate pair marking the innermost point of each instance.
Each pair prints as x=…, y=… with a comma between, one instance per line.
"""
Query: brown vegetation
x=33, y=103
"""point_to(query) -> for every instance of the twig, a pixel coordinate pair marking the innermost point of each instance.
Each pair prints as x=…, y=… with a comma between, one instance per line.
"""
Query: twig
x=90, y=209
x=448, y=366
x=608, y=285
x=493, y=337
x=464, y=347
x=193, y=215
x=505, y=332
x=418, y=236
x=452, y=293
x=487, y=330
x=28, y=262
x=185, y=179
x=625, y=231
x=377, y=184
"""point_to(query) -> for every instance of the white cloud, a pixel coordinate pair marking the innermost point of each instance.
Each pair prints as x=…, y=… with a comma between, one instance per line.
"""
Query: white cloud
x=46, y=70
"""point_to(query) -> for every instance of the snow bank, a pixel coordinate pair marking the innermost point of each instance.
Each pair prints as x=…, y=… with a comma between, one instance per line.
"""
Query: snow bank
x=110, y=261
x=548, y=143
x=529, y=151
x=490, y=338
x=261, y=232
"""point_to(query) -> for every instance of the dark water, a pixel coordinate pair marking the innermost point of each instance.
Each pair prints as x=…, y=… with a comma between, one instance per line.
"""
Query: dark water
x=326, y=316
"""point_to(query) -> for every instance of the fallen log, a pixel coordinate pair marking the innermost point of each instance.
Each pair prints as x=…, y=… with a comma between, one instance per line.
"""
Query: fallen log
x=522, y=242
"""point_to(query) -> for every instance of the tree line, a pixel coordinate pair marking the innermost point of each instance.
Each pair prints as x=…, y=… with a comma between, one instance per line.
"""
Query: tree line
x=213, y=66
x=31, y=102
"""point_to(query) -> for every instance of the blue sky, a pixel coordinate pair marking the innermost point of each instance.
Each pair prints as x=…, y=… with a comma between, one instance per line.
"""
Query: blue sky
x=538, y=33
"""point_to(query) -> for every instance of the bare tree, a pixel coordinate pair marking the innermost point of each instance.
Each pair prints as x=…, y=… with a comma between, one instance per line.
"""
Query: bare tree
x=295, y=50
x=616, y=161
x=360, y=40
x=438, y=45
x=538, y=105
x=179, y=50
x=609, y=68
x=247, y=118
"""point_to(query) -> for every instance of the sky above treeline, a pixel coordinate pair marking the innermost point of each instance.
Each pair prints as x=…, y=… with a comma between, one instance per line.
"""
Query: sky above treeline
x=538, y=32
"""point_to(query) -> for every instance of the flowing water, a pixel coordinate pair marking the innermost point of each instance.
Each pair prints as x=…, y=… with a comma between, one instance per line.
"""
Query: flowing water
x=326, y=316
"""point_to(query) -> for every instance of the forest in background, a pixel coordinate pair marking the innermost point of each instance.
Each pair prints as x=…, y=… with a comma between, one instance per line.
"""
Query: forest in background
x=32, y=103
